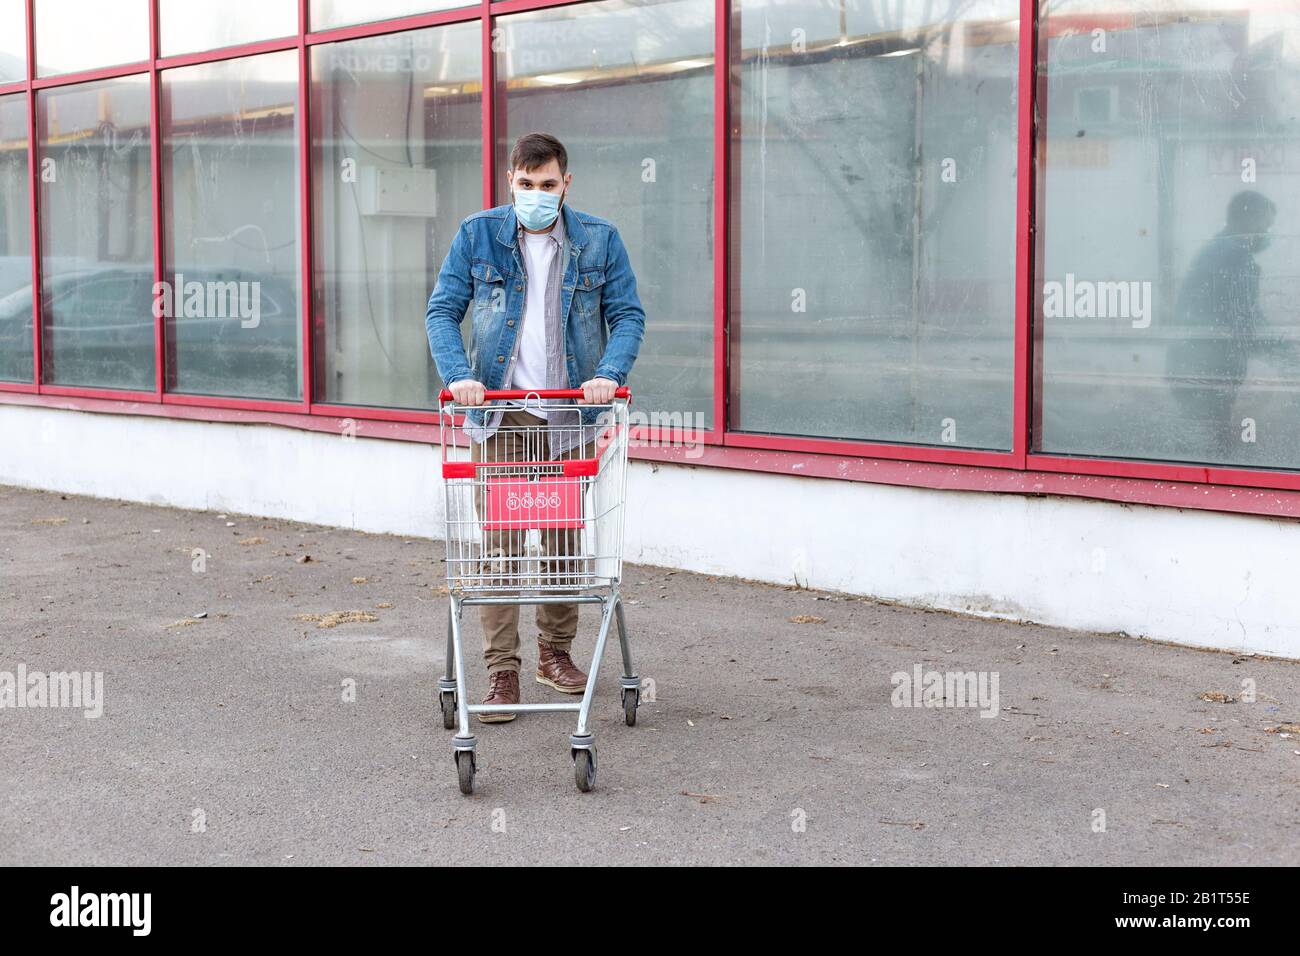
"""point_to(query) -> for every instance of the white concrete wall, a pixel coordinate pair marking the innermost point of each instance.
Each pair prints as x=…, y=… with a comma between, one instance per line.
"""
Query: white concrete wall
x=1193, y=577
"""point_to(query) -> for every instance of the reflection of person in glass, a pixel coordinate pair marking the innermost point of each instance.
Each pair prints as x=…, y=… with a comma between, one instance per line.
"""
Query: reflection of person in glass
x=1222, y=323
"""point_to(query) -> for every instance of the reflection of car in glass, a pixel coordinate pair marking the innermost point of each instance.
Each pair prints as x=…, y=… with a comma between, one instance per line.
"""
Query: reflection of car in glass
x=223, y=351
x=16, y=336
x=98, y=328
x=99, y=332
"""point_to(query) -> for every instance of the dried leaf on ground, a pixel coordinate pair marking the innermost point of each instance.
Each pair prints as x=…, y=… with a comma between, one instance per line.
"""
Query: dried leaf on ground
x=1283, y=729
x=335, y=618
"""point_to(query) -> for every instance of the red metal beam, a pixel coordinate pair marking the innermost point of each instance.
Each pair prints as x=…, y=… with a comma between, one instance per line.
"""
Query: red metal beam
x=226, y=53
x=307, y=283
x=1157, y=491
x=86, y=76
x=519, y=6
x=33, y=197
x=721, y=214
x=1025, y=295
x=160, y=364
x=840, y=448
x=488, y=116
x=396, y=25
x=244, y=404
x=1033, y=377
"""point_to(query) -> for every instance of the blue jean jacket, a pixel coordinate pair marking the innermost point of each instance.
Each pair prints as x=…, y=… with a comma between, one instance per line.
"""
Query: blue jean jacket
x=599, y=310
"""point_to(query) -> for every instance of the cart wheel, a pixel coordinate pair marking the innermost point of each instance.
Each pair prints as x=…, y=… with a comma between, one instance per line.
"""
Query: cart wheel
x=584, y=769
x=448, y=710
x=631, y=700
x=465, y=770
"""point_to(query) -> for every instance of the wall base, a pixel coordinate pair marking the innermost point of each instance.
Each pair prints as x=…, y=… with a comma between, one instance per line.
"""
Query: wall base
x=1192, y=577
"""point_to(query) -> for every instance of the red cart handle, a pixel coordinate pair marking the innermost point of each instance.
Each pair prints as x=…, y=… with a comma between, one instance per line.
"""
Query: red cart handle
x=514, y=394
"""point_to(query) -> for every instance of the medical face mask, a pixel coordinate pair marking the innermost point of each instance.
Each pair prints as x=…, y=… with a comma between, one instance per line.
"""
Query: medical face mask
x=536, y=208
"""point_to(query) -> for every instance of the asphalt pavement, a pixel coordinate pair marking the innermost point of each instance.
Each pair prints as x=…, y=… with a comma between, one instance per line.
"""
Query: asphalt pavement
x=242, y=723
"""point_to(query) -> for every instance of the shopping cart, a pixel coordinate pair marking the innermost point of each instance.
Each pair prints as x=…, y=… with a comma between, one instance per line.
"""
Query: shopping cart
x=534, y=516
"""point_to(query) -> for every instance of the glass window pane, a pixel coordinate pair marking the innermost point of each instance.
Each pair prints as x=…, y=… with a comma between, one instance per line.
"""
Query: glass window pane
x=338, y=13
x=627, y=86
x=74, y=35
x=230, y=194
x=1168, y=282
x=188, y=26
x=398, y=163
x=873, y=220
x=13, y=41
x=97, y=325
x=15, y=243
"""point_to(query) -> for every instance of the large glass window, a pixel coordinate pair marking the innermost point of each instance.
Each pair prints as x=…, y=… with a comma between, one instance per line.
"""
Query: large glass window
x=230, y=191
x=190, y=25
x=1168, y=272
x=73, y=35
x=13, y=41
x=873, y=220
x=397, y=164
x=97, y=326
x=338, y=13
x=627, y=86
x=15, y=243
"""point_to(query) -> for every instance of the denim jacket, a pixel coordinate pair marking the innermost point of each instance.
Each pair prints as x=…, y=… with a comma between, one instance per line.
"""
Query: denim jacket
x=600, y=313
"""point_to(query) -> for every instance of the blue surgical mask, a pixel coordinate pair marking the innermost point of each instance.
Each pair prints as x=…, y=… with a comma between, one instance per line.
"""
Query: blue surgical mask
x=536, y=208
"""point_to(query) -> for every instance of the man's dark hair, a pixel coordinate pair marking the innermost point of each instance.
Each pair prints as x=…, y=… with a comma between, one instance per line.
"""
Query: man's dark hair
x=537, y=149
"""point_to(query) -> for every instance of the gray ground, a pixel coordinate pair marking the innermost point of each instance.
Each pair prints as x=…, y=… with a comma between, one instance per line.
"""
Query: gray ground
x=769, y=740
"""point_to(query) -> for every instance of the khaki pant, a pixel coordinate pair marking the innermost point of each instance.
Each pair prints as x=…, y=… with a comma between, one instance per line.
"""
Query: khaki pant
x=556, y=623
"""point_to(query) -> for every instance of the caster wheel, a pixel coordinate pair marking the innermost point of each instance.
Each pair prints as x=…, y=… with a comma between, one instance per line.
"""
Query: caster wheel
x=465, y=770
x=631, y=700
x=448, y=710
x=584, y=769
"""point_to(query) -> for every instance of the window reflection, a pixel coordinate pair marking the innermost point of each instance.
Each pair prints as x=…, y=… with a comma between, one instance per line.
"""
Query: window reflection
x=628, y=88
x=96, y=235
x=191, y=25
x=337, y=13
x=397, y=165
x=230, y=192
x=1168, y=195
x=15, y=243
x=73, y=35
x=13, y=41
x=873, y=220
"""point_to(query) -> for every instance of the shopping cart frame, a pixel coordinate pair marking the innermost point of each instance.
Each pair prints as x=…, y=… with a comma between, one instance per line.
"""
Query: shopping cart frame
x=453, y=690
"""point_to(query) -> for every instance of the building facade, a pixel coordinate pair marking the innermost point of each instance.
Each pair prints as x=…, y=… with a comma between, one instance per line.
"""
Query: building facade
x=984, y=305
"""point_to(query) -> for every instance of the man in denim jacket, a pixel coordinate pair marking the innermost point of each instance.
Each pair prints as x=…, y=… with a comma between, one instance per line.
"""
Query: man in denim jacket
x=554, y=303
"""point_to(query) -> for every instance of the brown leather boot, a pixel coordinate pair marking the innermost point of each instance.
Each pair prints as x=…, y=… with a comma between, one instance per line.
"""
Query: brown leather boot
x=503, y=688
x=555, y=668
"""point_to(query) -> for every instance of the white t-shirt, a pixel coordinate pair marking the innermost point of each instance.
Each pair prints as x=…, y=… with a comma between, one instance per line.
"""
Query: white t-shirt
x=530, y=364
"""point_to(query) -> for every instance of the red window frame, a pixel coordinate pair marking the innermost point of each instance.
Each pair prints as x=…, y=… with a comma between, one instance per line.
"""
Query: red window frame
x=1017, y=470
